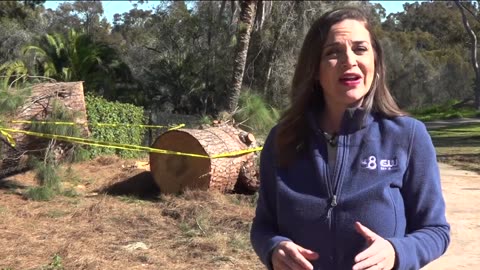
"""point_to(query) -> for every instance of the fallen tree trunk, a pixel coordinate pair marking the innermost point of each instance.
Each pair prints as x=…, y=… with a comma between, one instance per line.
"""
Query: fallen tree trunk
x=175, y=173
x=37, y=108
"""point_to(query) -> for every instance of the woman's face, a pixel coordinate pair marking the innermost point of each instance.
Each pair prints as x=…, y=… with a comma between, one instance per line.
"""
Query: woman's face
x=347, y=67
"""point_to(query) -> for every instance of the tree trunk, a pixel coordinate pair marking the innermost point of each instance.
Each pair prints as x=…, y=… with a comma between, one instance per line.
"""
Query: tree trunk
x=272, y=54
x=247, y=16
x=473, y=51
x=175, y=173
x=37, y=108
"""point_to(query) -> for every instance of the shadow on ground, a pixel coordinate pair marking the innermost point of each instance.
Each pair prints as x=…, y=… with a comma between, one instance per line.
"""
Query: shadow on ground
x=10, y=184
x=142, y=186
x=457, y=141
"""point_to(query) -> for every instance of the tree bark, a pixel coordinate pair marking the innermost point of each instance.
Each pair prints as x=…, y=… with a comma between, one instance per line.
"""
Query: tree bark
x=473, y=52
x=247, y=16
x=272, y=54
x=175, y=173
x=36, y=108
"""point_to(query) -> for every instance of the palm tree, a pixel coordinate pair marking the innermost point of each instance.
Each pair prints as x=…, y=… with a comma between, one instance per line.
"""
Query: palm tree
x=251, y=12
x=75, y=57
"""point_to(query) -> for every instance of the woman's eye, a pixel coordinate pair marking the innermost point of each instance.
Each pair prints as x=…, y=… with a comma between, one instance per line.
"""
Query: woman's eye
x=361, y=49
x=332, y=52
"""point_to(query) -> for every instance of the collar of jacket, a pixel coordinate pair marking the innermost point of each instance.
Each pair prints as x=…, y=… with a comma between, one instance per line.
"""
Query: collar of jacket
x=353, y=120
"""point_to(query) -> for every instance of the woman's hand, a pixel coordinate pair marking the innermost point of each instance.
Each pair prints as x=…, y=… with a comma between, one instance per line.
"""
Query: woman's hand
x=290, y=256
x=379, y=255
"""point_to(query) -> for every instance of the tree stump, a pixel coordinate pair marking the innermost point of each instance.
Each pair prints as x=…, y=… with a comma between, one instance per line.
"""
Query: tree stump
x=175, y=173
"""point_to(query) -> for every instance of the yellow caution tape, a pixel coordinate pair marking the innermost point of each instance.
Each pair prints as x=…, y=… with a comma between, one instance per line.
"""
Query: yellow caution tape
x=9, y=138
x=121, y=146
x=237, y=153
x=94, y=124
x=176, y=127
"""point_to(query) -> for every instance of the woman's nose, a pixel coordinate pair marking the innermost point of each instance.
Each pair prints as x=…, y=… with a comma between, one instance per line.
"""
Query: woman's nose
x=349, y=59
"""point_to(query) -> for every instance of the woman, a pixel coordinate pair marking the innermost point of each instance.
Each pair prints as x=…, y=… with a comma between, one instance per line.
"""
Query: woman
x=348, y=181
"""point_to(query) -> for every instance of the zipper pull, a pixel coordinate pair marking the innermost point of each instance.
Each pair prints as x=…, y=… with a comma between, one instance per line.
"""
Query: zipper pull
x=334, y=201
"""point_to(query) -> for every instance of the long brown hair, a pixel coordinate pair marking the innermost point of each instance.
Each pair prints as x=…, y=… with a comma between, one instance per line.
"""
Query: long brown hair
x=306, y=91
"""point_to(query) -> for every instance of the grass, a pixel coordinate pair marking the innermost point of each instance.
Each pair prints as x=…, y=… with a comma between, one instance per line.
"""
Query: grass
x=56, y=264
x=449, y=113
x=458, y=145
x=448, y=110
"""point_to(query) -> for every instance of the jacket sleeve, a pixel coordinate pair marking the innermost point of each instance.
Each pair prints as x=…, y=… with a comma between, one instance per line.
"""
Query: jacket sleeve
x=428, y=233
x=264, y=234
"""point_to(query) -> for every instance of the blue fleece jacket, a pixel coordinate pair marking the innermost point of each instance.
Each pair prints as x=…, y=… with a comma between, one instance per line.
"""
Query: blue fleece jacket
x=385, y=176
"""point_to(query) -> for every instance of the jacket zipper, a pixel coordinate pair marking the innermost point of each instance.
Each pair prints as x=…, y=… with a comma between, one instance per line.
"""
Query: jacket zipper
x=334, y=187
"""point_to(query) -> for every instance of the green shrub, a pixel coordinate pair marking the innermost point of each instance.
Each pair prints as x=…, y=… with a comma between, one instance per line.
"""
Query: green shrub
x=12, y=98
x=46, y=173
x=40, y=193
x=56, y=264
x=80, y=153
x=99, y=110
x=255, y=114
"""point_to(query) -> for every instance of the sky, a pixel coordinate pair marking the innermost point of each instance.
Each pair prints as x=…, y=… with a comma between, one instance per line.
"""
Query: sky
x=112, y=7
x=392, y=6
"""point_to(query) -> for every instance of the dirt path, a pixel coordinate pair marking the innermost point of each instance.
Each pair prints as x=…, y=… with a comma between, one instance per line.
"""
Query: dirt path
x=451, y=122
x=462, y=194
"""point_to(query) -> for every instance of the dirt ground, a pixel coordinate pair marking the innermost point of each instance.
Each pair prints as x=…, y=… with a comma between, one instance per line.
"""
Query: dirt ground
x=462, y=195
x=118, y=220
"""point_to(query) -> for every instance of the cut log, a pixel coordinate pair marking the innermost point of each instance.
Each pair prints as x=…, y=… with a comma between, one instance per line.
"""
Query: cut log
x=36, y=108
x=175, y=173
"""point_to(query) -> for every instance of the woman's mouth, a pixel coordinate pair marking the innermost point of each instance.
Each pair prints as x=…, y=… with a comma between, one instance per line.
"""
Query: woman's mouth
x=350, y=79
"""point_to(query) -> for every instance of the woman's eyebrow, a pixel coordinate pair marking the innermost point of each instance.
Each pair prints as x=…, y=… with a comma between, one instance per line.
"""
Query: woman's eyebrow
x=357, y=42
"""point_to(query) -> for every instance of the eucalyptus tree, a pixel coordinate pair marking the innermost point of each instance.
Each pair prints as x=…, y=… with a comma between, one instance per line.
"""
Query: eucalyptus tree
x=20, y=22
x=426, y=54
x=473, y=50
x=82, y=16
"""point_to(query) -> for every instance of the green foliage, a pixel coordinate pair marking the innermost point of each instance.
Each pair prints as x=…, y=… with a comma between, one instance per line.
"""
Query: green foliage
x=80, y=153
x=12, y=98
x=13, y=70
x=446, y=110
x=71, y=193
x=99, y=110
x=39, y=193
x=46, y=170
x=56, y=264
x=190, y=72
x=58, y=113
x=205, y=119
x=48, y=179
x=255, y=114
x=74, y=56
x=47, y=175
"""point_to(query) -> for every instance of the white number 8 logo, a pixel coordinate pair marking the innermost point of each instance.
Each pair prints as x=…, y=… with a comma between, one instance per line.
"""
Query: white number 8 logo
x=372, y=163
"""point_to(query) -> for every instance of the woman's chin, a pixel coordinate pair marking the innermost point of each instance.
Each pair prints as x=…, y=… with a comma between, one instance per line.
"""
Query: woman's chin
x=353, y=101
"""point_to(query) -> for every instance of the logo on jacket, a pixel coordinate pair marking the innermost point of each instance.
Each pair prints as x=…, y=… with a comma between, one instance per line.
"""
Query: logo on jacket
x=385, y=164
